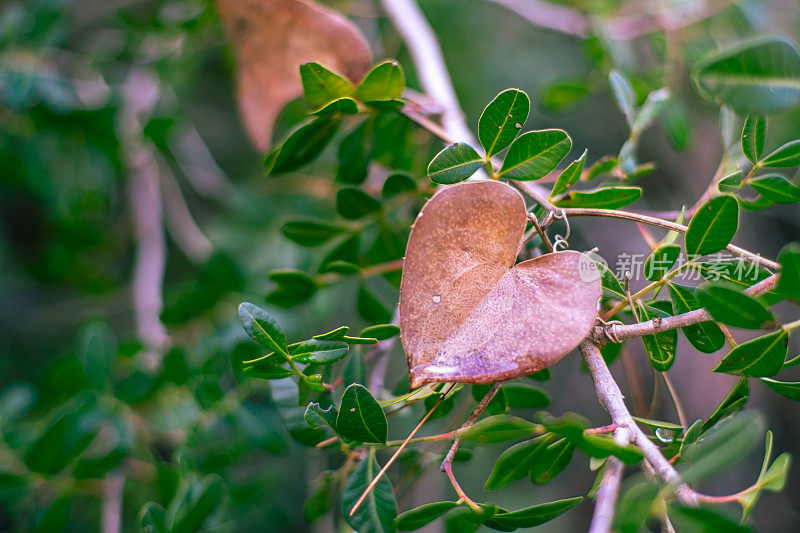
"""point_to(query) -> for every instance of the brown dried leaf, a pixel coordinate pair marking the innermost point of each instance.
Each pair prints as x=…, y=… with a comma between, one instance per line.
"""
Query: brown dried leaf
x=272, y=38
x=467, y=312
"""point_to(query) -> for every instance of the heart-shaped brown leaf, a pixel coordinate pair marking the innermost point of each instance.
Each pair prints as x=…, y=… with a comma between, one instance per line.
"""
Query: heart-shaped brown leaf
x=272, y=38
x=467, y=312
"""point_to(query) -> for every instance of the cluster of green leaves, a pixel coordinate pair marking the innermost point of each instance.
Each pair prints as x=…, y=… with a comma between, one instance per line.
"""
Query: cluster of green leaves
x=710, y=230
x=532, y=156
x=368, y=238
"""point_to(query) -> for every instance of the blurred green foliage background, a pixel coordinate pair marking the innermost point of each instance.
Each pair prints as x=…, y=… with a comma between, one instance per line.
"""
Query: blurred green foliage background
x=83, y=408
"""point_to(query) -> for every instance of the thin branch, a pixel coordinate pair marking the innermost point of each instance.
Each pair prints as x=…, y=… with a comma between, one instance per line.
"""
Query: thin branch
x=621, y=27
x=113, y=490
x=611, y=399
x=658, y=324
x=395, y=455
x=606, y=500
x=665, y=224
x=429, y=62
x=549, y=16
x=180, y=222
x=435, y=81
x=140, y=91
x=447, y=464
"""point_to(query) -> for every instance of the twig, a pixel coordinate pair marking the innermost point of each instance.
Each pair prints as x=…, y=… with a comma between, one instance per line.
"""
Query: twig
x=447, y=464
x=429, y=62
x=611, y=399
x=659, y=324
x=665, y=224
x=621, y=27
x=113, y=490
x=603, y=515
x=140, y=92
x=180, y=222
x=550, y=16
x=394, y=456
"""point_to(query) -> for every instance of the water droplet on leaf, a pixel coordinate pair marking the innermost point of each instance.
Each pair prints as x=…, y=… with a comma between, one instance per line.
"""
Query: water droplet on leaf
x=665, y=435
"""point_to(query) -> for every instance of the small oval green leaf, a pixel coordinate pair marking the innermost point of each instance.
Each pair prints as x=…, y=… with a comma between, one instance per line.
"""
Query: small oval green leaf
x=455, y=163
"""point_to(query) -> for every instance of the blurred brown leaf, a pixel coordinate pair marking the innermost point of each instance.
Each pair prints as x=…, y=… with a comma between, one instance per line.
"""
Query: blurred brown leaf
x=272, y=38
x=467, y=312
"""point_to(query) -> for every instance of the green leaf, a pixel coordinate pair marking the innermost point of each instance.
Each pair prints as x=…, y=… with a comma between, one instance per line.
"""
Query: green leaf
x=762, y=356
x=322, y=86
x=552, y=461
x=398, y=183
x=318, y=502
x=731, y=404
x=572, y=427
x=499, y=428
x=569, y=176
x=635, y=505
x=360, y=340
x=515, y=462
x=334, y=334
x=790, y=389
x=381, y=331
x=738, y=273
x=320, y=352
x=734, y=308
x=705, y=519
x=370, y=308
x=774, y=478
x=420, y=516
x=563, y=95
x=677, y=125
x=771, y=477
x=97, y=351
x=535, y=154
x=660, y=347
x=354, y=155
x=722, y=445
x=531, y=516
x=455, y=163
x=342, y=106
x=731, y=183
x=316, y=416
x=360, y=416
x=623, y=94
x=713, y=226
x=262, y=327
x=787, y=155
x=195, y=501
x=502, y=120
x=776, y=188
x=604, y=197
x=789, y=278
x=706, y=336
x=659, y=424
x=303, y=146
x=521, y=396
x=661, y=261
x=655, y=103
x=754, y=136
x=377, y=513
x=497, y=406
x=268, y=370
x=294, y=287
x=601, y=167
x=384, y=82
x=760, y=76
x=310, y=233
x=353, y=203
x=152, y=518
